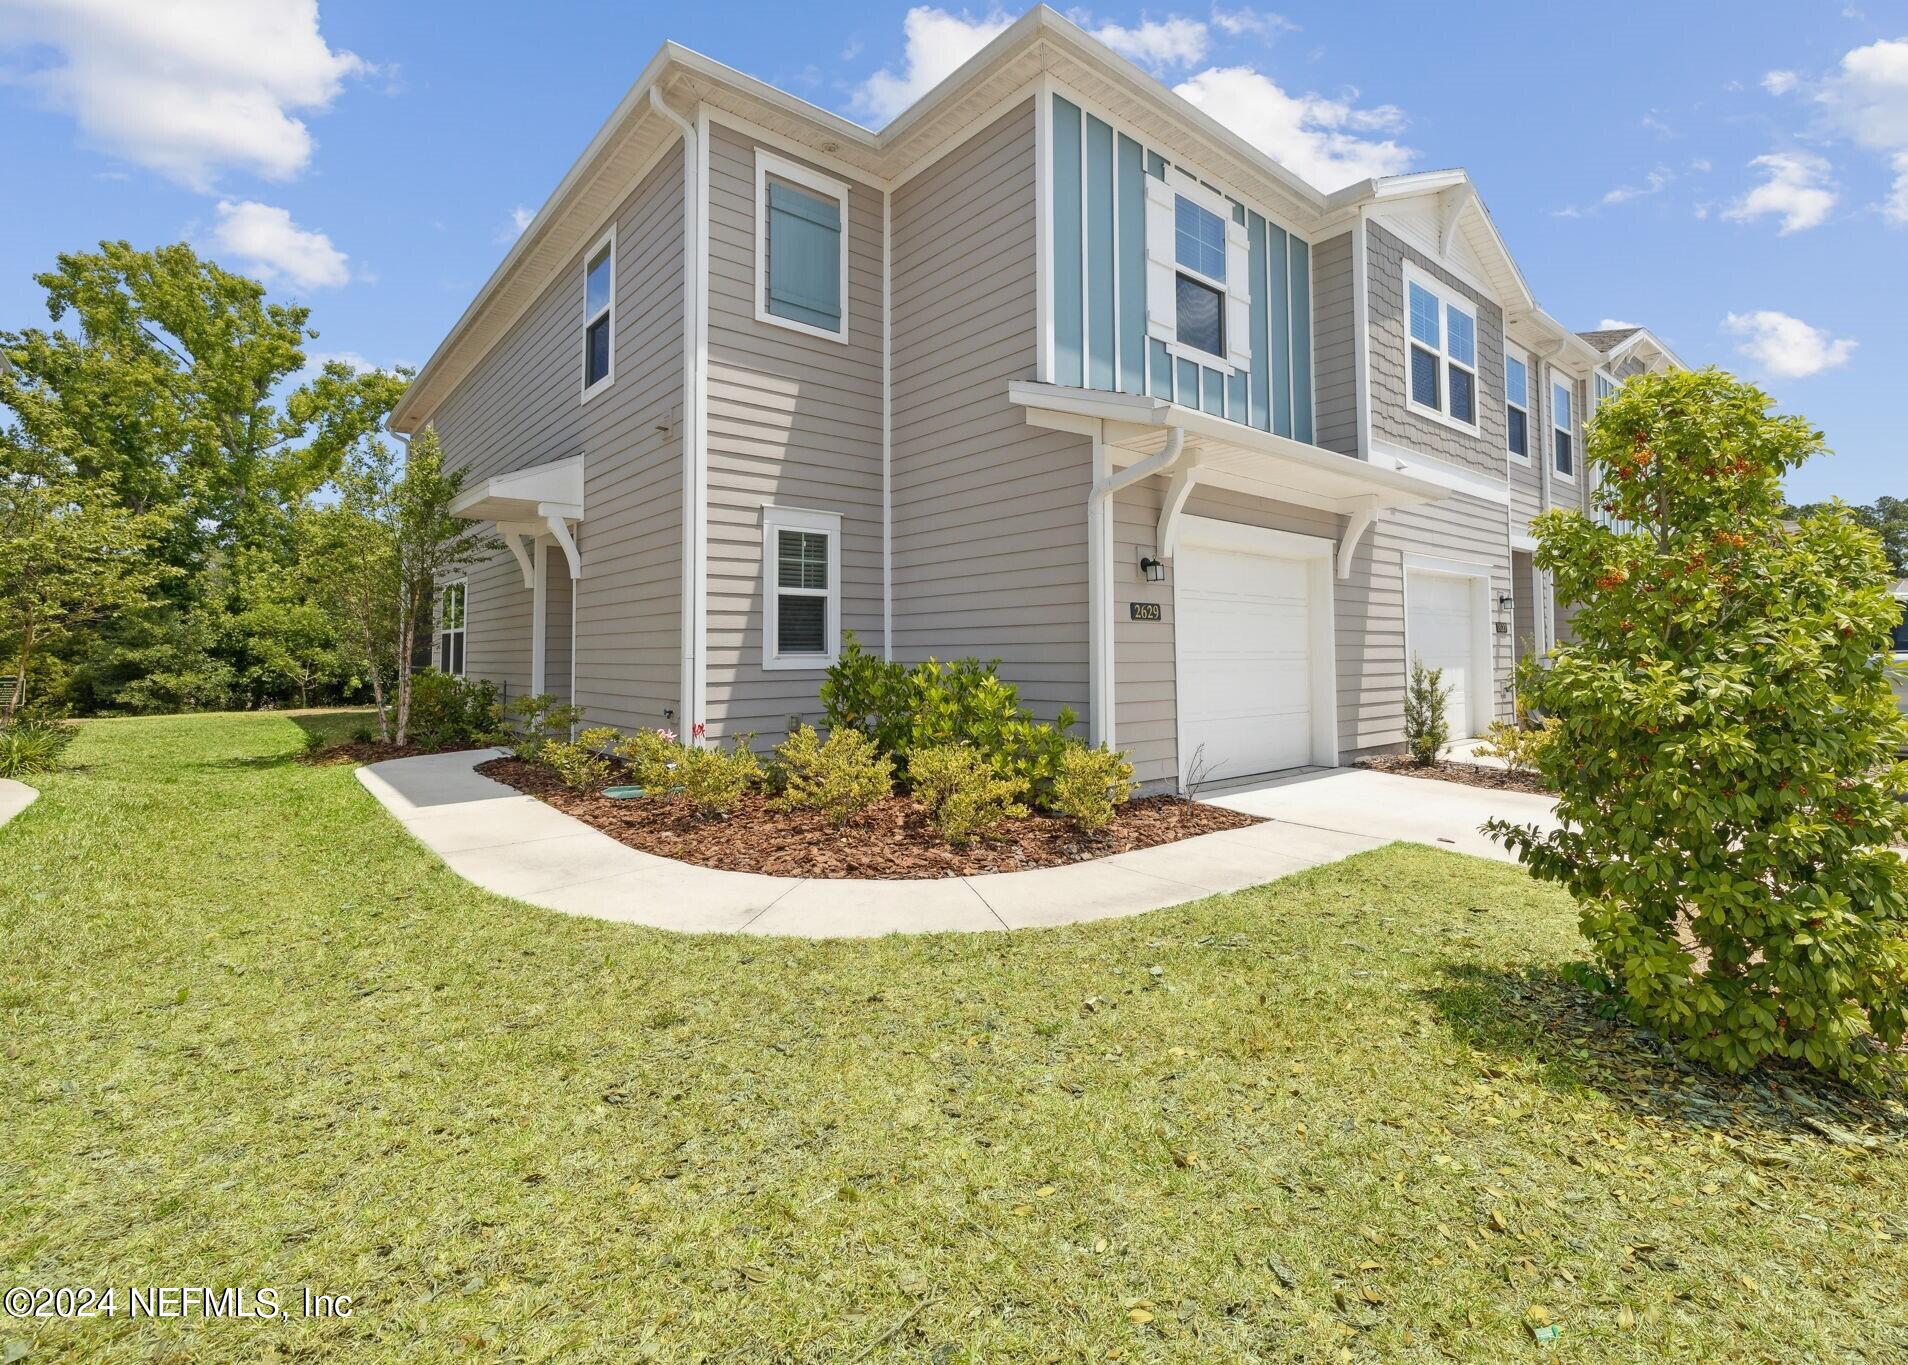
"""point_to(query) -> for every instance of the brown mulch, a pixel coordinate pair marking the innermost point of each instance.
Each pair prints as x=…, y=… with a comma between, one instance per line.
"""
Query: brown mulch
x=890, y=840
x=370, y=751
x=1470, y=774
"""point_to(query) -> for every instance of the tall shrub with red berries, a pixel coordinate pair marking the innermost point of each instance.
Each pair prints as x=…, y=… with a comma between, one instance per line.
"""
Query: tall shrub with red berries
x=1726, y=753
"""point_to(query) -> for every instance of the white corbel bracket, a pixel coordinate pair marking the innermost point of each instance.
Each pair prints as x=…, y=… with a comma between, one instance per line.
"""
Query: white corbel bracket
x=1166, y=533
x=1361, y=520
x=520, y=538
x=557, y=518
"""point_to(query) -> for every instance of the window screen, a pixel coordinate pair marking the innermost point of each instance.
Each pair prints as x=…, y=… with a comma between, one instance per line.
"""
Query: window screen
x=802, y=592
x=1201, y=320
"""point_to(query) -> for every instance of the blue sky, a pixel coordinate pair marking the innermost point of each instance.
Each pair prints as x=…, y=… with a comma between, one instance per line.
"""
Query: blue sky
x=1733, y=175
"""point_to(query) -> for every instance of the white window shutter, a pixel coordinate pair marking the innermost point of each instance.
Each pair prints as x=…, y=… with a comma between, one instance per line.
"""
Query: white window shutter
x=1162, y=308
x=1238, y=296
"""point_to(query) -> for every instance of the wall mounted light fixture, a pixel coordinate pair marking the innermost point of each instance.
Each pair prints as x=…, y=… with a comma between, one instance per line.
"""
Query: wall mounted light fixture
x=1152, y=570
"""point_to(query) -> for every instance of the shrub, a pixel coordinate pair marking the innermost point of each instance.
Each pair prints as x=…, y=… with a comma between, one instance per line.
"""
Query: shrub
x=963, y=795
x=581, y=763
x=840, y=777
x=906, y=710
x=29, y=746
x=1519, y=743
x=1092, y=783
x=1427, y=724
x=538, y=719
x=448, y=712
x=651, y=757
x=1728, y=790
x=714, y=781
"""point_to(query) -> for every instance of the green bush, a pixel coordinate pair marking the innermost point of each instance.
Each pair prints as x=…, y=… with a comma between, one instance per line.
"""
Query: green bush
x=840, y=777
x=713, y=780
x=651, y=757
x=537, y=720
x=1427, y=724
x=1091, y=785
x=1520, y=743
x=962, y=793
x=448, y=712
x=582, y=763
x=1725, y=751
x=906, y=710
x=29, y=746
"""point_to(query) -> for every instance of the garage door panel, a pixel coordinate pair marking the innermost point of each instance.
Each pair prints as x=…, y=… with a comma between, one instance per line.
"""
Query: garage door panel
x=1441, y=630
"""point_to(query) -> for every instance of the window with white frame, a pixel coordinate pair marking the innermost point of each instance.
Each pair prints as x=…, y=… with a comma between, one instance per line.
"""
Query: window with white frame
x=1517, y=404
x=1441, y=369
x=801, y=587
x=450, y=627
x=1199, y=248
x=1198, y=274
x=1602, y=387
x=1563, y=400
x=801, y=248
x=599, y=316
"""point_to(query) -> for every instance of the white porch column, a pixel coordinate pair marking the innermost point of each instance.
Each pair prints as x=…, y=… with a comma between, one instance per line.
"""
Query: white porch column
x=539, y=594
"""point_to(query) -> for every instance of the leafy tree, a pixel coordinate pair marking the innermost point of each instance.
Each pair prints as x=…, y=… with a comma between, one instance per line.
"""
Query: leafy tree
x=1887, y=517
x=70, y=555
x=1725, y=747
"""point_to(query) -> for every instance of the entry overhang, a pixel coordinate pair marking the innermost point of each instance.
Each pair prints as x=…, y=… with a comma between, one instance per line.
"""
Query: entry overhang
x=544, y=499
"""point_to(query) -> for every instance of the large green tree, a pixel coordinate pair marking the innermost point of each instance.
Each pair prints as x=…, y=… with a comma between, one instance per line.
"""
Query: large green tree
x=1887, y=517
x=1725, y=754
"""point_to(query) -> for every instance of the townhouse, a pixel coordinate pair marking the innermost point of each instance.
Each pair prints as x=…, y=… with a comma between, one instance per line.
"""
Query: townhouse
x=1055, y=370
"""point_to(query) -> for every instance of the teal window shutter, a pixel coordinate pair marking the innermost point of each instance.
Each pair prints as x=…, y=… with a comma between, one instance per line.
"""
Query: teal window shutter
x=804, y=257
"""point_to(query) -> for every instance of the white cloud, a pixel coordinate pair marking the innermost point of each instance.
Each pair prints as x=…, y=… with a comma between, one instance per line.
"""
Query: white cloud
x=1314, y=137
x=519, y=220
x=1895, y=207
x=1158, y=43
x=266, y=240
x=1797, y=189
x=936, y=43
x=1654, y=183
x=1780, y=82
x=1613, y=325
x=1787, y=347
x=188, y=87
x=1868, y=99
x=1261, y=23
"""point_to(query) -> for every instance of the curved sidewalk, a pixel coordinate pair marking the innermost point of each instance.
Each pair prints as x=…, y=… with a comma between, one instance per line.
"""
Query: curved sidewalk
x=14, y=798
x=516, y=845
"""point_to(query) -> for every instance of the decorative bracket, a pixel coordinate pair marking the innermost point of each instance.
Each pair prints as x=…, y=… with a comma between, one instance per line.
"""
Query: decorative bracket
x=519, y=540
x=557, y=516
x=1166, y=535
x=1361, y=519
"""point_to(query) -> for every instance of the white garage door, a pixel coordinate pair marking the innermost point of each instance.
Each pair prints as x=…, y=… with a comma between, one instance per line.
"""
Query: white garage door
x=1441, y=630
x=1244, y=633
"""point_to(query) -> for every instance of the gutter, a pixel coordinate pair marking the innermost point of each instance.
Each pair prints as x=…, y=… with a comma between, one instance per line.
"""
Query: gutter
x=1100, y=655
x=694, y=427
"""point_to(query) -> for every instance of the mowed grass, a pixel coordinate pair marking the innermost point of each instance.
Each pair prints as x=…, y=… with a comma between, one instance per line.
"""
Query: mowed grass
x=254, y=1036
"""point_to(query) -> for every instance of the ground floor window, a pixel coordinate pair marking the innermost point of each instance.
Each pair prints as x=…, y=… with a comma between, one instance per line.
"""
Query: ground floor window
x=801, y=587
x=450, y=628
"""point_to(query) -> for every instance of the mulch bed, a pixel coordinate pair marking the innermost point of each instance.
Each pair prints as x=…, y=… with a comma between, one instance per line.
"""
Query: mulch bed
x=1470, y=774
x=890, y=840
x=370, y=751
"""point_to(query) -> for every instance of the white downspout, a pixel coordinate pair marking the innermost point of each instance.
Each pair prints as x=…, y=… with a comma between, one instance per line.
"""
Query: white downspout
x=887, y=427
x=694, y=424
x=1101, y=729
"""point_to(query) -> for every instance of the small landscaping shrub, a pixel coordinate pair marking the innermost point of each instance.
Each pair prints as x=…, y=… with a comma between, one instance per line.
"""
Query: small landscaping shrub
x=1725, y=754
x=538, y=720
x=840, y=777
x=363, y=734
x=713, y=780
x=1427, y=725
x=963, y=795
x=906, y=710
x=448, y=712
x=651, y=757
x=1519, y=743
x=29, y=746
x=582, y=763
x=1091, y=785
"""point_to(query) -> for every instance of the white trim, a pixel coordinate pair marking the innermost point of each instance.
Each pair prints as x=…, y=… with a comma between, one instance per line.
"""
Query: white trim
x=539, y=617
x=463, y=628
x=1523, y=357
x=1569, y=381
x=1361, y=335
x=887, y=427
x=1044, y=281
x=696, y=701
x=1524, y=544
x=774, y=521
x=608, y=310
x=1482, y=693
x=788, y=146
x=1405, y=233
x=1448, y=298
x=1390, y=455
x=1102, y=719
x=767, y=163
x=1317, y=553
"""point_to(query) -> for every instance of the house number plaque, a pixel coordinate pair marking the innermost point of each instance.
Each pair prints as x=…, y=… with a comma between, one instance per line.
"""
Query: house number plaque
x=1143, y=611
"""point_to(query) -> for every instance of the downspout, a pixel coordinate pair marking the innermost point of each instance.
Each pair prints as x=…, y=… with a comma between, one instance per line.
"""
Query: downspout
x=694, y=447
x=887, y=426
x=1107, y=483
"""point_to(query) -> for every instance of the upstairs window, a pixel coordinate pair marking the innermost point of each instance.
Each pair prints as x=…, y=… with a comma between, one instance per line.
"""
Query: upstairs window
x=1199, y=246
x=450, y=628
x=1442, y=359
x=1517, y=405
x=801, y=248
x=801, y=569
x=599, y=339
x=1562, y=428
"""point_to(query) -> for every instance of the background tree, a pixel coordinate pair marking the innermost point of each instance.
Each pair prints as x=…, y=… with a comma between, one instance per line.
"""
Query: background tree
x=1725, y=749
x=1887, y=517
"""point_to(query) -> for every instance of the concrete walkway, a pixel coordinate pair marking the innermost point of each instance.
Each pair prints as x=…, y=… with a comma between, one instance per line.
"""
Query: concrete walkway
x=14, y=798
x=515, y=845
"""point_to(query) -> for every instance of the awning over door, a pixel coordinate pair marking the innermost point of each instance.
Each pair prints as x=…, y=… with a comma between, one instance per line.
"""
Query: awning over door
x=544, y=499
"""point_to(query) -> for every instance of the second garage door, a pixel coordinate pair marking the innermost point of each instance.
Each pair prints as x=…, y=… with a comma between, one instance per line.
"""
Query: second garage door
x=1245, y=667
x=1441, y=627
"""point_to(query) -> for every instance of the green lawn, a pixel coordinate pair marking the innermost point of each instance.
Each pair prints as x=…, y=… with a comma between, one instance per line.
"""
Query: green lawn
x=253, y=1035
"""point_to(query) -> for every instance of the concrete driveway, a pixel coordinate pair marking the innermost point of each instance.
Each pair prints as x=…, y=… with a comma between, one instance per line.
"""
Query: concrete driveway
x=1386, y=807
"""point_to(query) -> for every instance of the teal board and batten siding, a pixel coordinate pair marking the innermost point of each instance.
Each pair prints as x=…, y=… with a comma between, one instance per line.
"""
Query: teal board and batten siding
x=521, y=405
x=1100, y=340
